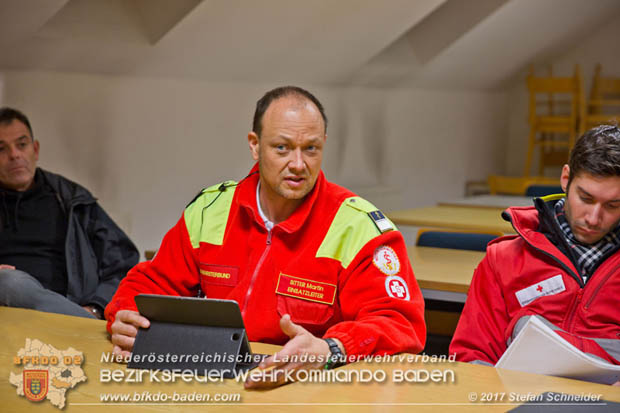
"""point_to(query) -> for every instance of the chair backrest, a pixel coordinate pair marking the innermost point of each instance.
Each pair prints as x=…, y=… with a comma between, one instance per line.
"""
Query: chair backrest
x=603, y=87
x=473, y=241
x=511, y=185
x=149, y=254
x=568, y=87
x=605, y=93
x=543, y=190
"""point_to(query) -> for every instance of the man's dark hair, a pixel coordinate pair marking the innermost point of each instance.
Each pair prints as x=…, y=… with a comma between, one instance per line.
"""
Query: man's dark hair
x=597, y=152
x=8, y=115
x=280, y=92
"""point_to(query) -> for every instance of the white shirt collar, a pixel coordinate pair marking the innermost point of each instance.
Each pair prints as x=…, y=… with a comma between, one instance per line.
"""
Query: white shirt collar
x=268, y=224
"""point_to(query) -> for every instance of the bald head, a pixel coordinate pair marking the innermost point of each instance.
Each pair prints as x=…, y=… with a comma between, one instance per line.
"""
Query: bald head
x=301, y=97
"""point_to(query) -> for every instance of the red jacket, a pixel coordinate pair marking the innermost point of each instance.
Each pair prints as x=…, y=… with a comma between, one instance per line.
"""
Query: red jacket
x=327, y=265
x=498, y=298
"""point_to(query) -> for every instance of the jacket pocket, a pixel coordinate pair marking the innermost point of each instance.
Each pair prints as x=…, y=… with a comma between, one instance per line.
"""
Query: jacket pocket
x=305, y=312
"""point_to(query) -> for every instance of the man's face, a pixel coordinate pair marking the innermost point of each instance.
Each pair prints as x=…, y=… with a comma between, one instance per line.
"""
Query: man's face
x=592, y=205
x=18, y=156
x=290, y=149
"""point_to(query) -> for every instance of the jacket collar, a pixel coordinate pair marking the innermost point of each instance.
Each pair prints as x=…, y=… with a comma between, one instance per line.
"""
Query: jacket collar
x=68, y=191
x=533, y=222
x=247, y=199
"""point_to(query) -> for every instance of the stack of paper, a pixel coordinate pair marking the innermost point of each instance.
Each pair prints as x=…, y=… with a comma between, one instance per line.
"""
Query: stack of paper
x=537, y=349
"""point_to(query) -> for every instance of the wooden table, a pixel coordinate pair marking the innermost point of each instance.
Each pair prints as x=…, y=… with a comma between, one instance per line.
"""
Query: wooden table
x=500, y=202
x=443, y=273
x=466, y=218
x=89, y=337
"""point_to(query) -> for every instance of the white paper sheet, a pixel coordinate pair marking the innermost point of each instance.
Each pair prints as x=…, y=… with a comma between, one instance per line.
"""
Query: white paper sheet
x=537, y=349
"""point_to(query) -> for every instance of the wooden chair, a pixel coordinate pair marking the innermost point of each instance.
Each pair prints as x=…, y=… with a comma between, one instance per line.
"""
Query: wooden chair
x=543, y=190
x=149, y=254
x=603, y=107
x=554, y=128
x=511, y=185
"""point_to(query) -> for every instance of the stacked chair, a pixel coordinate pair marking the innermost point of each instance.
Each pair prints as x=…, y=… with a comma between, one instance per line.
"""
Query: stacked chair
x=603, y=107
x=554, y=107
x=559, y=113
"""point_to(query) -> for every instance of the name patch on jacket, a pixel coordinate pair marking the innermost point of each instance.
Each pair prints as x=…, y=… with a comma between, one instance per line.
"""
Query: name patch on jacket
x=305, y=289
x=550, y=286
x=219, y=274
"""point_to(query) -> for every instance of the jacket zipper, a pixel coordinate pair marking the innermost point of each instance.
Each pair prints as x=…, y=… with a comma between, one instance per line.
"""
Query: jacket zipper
x=568, y=270
x=255, y=273
x=571, y=314
x=600, y=285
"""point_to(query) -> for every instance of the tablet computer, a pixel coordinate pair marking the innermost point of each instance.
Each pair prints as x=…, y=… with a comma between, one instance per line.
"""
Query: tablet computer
x=190, y=310
x=189, y=333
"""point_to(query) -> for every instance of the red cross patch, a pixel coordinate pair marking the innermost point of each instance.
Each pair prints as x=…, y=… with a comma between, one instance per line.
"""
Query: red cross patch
x=396, y=287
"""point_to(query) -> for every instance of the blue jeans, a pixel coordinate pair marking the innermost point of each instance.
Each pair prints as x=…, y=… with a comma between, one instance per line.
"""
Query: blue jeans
x=20, y=289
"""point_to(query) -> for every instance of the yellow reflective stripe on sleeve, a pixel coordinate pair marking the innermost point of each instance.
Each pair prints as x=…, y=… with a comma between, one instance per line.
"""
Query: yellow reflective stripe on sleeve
x=207, y=216
x=349, y=231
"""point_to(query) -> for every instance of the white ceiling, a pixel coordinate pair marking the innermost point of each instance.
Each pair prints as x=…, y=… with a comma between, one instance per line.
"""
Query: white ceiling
x=468, y=44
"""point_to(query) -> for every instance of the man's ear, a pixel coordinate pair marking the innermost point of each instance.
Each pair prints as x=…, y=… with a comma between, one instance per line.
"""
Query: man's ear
x=254, y=143
x=564, y=177
x=36, y=150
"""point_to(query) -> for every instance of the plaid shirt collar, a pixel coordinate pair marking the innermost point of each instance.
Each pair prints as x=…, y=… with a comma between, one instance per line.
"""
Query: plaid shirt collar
x=588, y=255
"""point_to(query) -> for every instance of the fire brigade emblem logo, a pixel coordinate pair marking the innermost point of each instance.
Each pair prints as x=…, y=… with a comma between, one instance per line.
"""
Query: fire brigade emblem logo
x=35, y=384
x=46, y=373
x=396, y=287
x=386, y=260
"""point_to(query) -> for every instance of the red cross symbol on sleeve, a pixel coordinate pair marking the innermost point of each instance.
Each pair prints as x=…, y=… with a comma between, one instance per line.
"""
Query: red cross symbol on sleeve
x=397, y=289
x=539, y=289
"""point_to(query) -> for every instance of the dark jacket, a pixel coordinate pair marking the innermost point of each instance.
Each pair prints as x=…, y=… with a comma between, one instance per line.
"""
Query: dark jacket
x=98, y=252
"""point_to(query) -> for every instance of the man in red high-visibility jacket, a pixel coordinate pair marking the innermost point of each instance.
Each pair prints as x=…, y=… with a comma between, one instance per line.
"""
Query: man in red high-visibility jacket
x=312, y=266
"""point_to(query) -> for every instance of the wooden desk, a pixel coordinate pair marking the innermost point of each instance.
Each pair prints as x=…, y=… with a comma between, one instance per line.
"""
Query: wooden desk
x=89, y=337
x=499, y=202
x=468, y=218
x=443, y=274
x=444, y=269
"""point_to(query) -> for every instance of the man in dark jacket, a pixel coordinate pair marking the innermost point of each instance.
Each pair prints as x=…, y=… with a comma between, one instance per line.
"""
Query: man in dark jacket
x=59, y=251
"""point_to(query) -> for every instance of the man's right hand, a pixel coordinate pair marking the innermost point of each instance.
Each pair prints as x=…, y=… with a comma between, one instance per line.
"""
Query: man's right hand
x=6, y=267
x=124, y=330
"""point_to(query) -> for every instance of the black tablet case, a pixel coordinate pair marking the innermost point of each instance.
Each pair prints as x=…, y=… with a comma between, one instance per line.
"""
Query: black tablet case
x=191, y=326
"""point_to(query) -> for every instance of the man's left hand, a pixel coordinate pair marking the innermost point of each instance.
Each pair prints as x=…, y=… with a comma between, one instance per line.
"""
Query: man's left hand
x=302, y=342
